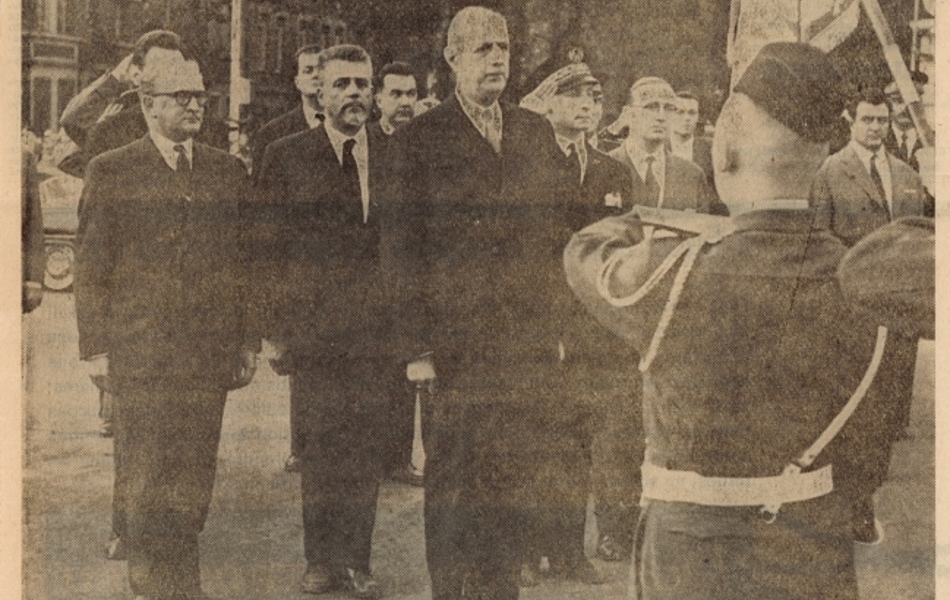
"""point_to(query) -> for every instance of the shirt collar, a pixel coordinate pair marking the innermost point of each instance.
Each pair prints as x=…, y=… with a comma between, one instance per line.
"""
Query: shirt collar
x=638, y=156
x=864, y=154
x=166, y=148
x=313, y=117
x=480, y=116
x=337, y=139
x=579, y=147
x=387, y=127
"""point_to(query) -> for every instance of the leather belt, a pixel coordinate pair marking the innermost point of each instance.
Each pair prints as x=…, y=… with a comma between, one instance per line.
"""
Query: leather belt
x=660, y=483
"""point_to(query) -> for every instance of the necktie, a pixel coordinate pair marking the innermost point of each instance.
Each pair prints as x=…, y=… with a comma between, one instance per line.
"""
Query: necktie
x=573, y=162
x=905, y=147
x=491, y=131
x=351, y=200
x=653, y=188
x=878, y=183
x=181, y=164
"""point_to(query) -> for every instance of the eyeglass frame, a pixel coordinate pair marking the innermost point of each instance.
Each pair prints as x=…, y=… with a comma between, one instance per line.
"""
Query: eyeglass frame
x=655, y=106
x=183, y=97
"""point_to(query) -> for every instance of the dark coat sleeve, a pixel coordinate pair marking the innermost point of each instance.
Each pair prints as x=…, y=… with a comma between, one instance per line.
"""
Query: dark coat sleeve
x=95, y=259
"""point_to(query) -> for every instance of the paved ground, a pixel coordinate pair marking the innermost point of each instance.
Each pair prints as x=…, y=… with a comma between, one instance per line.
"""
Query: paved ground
x=252, y=545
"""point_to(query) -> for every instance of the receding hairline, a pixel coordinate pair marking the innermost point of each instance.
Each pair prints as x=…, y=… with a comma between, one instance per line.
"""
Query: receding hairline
x=350, y=53
x=468, y=19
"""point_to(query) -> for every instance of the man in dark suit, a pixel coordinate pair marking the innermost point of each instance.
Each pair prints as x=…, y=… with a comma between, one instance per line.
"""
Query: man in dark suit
x=473, y=211
x=601, y=381
x=683, y=140
x=660, y=178
x=902, y=139
x=329, y=318
x=161, y=311
x=395, y=93
x=306, y=115
x=857, y=190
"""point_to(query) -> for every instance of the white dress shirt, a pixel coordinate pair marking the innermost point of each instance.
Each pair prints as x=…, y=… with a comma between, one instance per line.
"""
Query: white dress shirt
x=360, y=154
x=639, y=159
x=579, y=149
x=167, y=149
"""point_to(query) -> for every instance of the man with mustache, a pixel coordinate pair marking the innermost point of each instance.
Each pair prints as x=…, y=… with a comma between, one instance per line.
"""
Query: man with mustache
x=473, y=210
x=396, y=94
x=327, y=317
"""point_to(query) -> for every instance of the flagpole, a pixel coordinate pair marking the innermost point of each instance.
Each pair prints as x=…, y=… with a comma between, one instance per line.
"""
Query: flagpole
x=895, y=62
x=237, y=84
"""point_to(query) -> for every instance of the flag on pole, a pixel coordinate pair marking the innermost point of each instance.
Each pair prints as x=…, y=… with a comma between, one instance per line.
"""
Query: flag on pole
x=821, y=23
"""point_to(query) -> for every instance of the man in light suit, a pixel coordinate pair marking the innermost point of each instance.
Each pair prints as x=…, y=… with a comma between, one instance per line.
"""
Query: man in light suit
x=660, y=178
x=161, y=311
x=857, y=190
x=328, y=318
x=683, y=140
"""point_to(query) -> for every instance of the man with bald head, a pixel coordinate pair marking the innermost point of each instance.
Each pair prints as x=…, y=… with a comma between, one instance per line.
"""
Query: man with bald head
x=160, y=310
x=660, y=178
x=743, y=494
x=472, y=213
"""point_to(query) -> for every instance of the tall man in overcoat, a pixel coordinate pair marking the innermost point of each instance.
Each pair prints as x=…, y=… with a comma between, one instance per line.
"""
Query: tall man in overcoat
x=471, y=216
x=161, y=311
x=328, y=316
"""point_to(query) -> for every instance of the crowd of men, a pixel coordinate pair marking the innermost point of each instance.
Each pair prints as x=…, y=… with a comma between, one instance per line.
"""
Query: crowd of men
x=493, y=252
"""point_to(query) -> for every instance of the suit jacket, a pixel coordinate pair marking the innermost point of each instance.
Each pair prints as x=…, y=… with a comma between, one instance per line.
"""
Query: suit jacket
x=326, y=296
x=685, y=186
x=892, y=145
x=848, y=202
x=126, y=127
x=471, y=237
x=289, y=123
x=159, y=267
x=702, y=157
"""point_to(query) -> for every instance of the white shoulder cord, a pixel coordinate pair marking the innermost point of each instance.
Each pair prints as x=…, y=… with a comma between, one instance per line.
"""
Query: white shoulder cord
x=690, y=248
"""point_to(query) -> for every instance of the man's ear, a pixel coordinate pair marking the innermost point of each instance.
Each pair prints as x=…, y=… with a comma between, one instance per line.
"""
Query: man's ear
x=147, y=101
x=449, y=54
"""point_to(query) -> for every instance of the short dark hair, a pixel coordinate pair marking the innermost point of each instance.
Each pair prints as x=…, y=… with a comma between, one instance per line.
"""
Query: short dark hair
x=394, y=68
x=871, y=95
x=344, y=52
x=687, y=95
x=160, y=38
x=308, y=49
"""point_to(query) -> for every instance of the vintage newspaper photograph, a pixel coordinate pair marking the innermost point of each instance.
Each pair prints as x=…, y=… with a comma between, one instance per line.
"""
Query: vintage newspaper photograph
x=429, y=299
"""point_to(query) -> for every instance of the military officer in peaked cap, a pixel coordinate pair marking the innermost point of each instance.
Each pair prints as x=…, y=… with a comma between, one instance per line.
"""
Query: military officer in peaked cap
x=739, y=496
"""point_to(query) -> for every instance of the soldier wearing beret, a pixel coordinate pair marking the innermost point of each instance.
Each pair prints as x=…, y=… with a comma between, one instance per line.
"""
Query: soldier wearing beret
x=738, y=323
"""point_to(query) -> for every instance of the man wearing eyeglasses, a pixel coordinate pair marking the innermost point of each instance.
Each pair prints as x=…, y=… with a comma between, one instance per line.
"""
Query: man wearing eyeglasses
x=161, y=312
x=683, y=139
x=857, y=190
x=660, y=179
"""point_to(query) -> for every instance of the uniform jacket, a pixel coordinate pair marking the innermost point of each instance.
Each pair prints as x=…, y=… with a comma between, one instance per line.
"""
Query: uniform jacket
x=326, y=297
x=471, y=240
x=159, y=266
x=848, y=202
x=685, y=185
x=733, y=392
x=289, y=123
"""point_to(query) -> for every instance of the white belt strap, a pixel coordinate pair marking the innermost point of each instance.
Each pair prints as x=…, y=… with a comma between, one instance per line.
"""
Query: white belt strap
x=770, y=510
x=687, y=486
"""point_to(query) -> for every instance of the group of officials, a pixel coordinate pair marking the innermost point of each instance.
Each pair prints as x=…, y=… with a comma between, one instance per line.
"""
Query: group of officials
x=435, y=248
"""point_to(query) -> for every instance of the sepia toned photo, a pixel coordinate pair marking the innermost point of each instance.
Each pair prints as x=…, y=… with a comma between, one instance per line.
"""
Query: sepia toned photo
x=539, y=299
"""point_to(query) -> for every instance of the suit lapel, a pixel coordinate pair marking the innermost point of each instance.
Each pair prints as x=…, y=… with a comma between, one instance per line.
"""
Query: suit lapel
x=857, y=173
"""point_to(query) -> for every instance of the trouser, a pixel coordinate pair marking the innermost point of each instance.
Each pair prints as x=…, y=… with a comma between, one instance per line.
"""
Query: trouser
x=345, y=407
x=168, y=440
x=475, y=496
x=617, y=450
x=686, y=551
